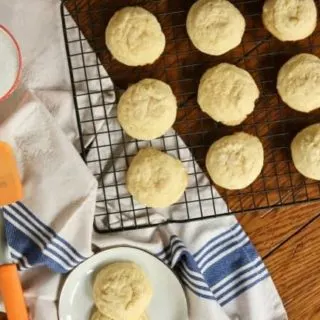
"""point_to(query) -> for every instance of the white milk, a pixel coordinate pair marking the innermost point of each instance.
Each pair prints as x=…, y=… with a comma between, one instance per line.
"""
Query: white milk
x=9, y=63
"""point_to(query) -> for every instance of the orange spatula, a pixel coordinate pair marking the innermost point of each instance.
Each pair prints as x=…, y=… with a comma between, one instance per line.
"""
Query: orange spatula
x=10, y=191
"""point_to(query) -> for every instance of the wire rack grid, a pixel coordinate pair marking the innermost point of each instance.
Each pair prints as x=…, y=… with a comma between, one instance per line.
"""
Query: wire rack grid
x=108, y=151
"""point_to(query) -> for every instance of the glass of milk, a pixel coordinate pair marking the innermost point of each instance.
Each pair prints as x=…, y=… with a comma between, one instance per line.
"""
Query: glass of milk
x=10, y=63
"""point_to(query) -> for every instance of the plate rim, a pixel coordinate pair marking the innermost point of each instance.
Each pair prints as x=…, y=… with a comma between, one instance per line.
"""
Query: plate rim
x=19, y=58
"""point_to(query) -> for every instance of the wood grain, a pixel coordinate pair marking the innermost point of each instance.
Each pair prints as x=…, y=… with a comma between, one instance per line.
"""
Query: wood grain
x=295, y=269
x=269, y=229
x=279, y=231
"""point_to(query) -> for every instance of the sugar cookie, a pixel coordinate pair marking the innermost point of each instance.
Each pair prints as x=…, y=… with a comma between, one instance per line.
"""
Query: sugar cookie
x=147, y=109
x=299, y=82
x=99, y=316
x=134, y=37
x=215, y=26
x=290, y=20
x=227, y=94
x=122, y=291
x=305, y=150
x=235, y=161
x=156, y=179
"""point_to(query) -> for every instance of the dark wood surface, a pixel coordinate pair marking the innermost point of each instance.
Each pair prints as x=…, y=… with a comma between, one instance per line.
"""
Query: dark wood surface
x=289, y=241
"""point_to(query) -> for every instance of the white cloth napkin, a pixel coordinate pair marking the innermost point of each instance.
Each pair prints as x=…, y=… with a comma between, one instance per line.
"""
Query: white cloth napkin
x=58, y=188
x=223, y=275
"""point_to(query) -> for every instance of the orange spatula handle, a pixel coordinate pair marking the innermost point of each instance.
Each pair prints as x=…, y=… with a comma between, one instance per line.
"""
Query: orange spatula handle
x=10, y=184
x=11, y=293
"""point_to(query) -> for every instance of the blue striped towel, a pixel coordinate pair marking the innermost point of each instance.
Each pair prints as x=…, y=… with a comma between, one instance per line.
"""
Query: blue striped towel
x=222, y=269
x=33, y=243
x=223, y=274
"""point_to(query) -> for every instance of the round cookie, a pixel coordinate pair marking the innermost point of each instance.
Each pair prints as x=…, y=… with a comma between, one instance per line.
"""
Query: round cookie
x=234, y=162
x=227, y=94
x=156, y=179
x=298, y=82
x=290, y=20
x=122, y=291
x=99, y=316
x=147, y=109
x=134, y=37
x=305, y=150
x=215, y=26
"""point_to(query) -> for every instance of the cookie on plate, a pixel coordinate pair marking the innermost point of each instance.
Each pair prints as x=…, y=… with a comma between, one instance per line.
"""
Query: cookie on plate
x=99, y=316
x=215, y=26
x=122, y=291
x=234, y=162
x=134, y=37
x=147, y=109
x=227, y=94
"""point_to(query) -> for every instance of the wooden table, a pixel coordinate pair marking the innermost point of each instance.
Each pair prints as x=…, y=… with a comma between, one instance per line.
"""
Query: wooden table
x=289, y=241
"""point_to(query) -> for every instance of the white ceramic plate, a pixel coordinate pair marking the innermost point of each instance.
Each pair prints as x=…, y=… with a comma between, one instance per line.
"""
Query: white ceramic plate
x=168, y=302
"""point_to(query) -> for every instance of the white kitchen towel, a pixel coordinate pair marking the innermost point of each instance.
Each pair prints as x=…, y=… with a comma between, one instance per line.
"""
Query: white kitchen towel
x=223, y=275
x=59, y=191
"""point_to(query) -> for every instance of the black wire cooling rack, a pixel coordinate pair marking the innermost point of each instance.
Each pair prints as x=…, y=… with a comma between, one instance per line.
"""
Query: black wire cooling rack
x=107, y=150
